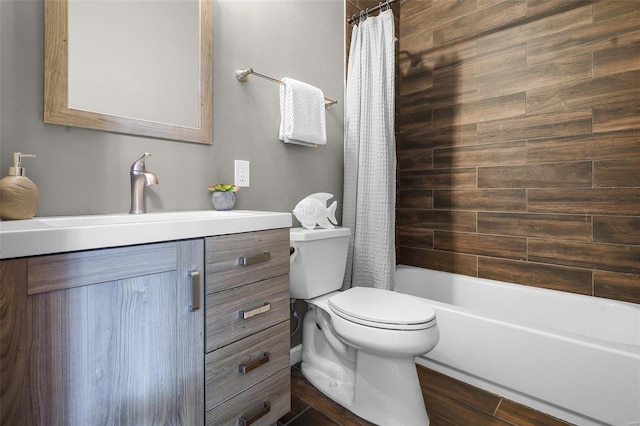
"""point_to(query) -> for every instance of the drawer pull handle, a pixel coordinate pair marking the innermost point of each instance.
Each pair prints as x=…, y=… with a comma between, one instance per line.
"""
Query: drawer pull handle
x=257, y=311
x=245, y=368
x=246, y=420
x=195, y=290
x=255, y=259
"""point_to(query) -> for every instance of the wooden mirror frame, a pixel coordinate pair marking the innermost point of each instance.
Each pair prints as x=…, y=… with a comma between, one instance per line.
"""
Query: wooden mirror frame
x=56, y=84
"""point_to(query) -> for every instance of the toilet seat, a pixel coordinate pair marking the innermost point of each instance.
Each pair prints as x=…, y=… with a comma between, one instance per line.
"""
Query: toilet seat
x=385, y=309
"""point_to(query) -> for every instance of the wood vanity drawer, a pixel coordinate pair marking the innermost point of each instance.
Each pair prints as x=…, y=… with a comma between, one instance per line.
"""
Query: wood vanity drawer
x=265, y=252
x=274, y=392
x=266, y=303
x=260, y=355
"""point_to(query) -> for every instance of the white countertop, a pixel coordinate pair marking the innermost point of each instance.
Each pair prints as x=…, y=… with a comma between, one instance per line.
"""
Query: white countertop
x=46, y=235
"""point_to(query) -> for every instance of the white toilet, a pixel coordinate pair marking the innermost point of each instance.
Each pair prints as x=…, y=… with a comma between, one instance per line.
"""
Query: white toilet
x=359, y=345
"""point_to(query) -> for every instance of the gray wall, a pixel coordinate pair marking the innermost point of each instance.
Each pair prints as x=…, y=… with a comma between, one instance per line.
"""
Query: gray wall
x=81, y=171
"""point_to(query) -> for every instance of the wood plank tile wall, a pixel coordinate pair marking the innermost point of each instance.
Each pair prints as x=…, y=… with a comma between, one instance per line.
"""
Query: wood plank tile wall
x=519, y=142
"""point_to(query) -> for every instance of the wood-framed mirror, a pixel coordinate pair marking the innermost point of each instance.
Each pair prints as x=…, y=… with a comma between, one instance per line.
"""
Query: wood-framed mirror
x=144, y=70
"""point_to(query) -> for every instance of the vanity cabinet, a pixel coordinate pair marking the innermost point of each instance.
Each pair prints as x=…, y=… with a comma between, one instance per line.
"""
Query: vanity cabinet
x=103, y=337
x=179, y=333
x=247, y=328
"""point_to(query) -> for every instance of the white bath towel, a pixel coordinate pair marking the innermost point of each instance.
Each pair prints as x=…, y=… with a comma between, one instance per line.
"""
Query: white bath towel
x=302, y=114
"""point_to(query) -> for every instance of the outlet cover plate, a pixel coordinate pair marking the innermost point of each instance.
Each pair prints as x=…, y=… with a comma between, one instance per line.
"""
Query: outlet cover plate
x=242, y=172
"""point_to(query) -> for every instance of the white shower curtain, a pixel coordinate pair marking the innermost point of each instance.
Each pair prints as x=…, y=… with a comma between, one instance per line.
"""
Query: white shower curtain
x=369, y=154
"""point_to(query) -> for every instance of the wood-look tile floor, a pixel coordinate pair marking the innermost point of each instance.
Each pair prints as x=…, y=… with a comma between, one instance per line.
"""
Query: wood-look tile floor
x=310, y=407
x=464, y=405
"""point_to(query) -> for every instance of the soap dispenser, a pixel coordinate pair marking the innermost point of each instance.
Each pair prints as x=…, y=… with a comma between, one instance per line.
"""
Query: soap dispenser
x=18, y=194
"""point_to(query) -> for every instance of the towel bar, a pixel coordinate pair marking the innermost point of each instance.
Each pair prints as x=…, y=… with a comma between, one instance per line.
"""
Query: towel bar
x=242, y=75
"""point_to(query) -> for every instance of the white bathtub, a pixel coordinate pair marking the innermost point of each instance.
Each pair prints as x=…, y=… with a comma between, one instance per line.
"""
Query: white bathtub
x=572, y=356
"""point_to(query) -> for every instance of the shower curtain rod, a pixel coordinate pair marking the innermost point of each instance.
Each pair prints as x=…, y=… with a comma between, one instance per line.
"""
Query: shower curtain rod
x=364, y=14
x=242, y=75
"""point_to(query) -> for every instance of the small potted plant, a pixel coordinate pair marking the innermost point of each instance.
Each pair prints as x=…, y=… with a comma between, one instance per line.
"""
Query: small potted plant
x=223, y=196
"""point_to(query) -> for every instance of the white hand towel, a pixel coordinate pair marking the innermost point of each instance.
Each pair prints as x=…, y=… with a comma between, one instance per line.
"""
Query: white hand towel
x=302, y=114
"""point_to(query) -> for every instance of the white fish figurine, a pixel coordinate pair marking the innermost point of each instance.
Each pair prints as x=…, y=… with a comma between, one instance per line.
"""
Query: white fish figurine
x=313, y=210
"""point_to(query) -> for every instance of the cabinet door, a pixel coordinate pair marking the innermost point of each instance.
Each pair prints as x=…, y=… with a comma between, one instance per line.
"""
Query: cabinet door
x=124, y=351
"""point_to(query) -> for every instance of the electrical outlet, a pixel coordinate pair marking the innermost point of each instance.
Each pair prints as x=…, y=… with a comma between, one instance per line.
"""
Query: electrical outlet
x=242, y=172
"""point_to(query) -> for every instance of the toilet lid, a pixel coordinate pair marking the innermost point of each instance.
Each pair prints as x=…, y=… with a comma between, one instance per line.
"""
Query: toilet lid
x=383, y=309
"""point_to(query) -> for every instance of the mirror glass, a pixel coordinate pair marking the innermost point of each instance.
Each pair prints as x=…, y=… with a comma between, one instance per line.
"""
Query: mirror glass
x=140, y=67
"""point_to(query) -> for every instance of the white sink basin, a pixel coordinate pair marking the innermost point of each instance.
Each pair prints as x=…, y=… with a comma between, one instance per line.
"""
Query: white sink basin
x=118, y=219
x=47, y=235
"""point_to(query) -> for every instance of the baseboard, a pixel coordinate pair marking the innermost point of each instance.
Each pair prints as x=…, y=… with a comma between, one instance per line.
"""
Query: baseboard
x=295, y=355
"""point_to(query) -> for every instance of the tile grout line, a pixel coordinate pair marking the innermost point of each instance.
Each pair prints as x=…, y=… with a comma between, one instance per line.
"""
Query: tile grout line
x=297, y=415
x=497, y=407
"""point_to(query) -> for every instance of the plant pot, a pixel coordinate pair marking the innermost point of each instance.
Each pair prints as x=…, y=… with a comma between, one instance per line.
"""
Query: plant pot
x=223, y=200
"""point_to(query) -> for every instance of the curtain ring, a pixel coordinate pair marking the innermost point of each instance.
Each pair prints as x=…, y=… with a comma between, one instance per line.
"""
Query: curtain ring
x=362, y=16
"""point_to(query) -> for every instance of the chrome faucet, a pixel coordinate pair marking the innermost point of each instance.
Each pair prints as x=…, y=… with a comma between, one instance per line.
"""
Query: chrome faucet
x=140, y=178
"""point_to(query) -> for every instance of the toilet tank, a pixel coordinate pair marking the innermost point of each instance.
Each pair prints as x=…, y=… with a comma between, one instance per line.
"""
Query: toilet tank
x=318, y=262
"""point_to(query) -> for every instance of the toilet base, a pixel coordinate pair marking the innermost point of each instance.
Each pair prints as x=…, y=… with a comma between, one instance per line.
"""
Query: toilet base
x=384, y=391
x=340, y=391
x=329, y=372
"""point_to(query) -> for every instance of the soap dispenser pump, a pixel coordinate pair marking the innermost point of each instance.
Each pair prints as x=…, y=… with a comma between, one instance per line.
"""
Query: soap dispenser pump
x=18, y=194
